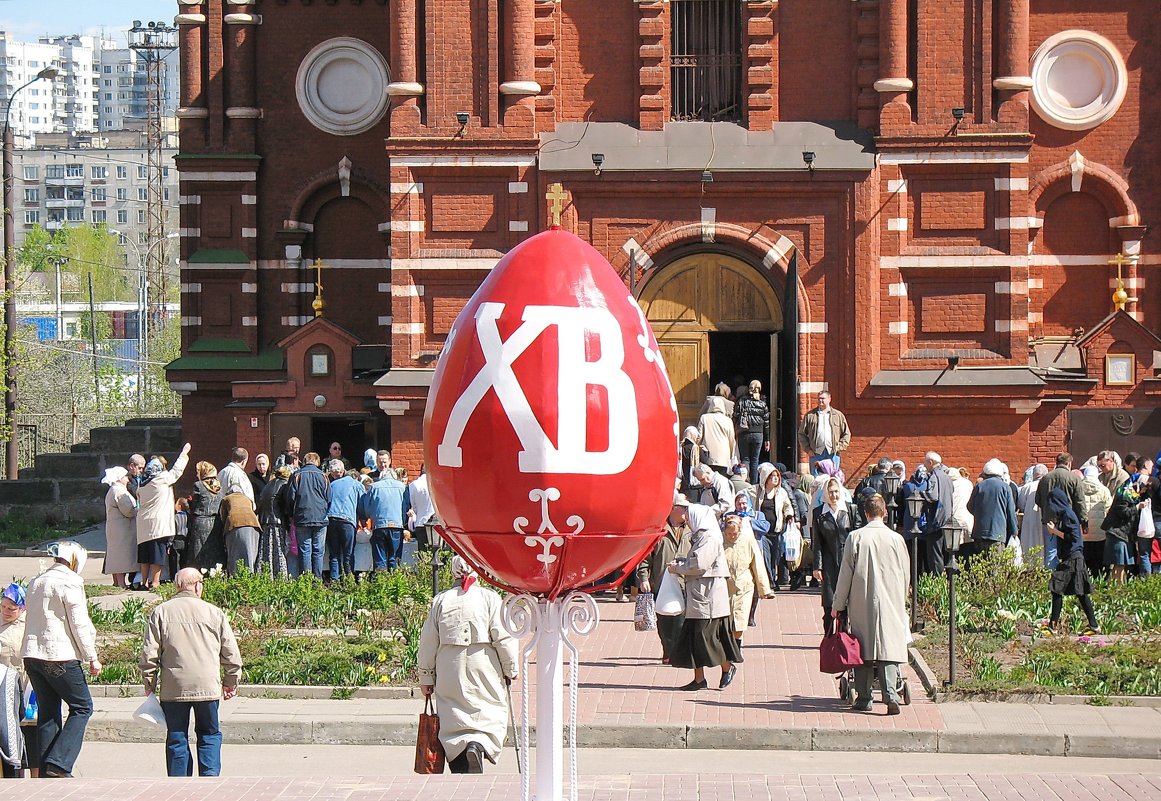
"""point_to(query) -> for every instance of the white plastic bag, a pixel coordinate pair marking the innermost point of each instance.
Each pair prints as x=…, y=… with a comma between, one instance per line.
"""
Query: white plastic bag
x=792, y=545
x=1147, y=529
x=1016, y=551
x=150, y=712
x=670, y=599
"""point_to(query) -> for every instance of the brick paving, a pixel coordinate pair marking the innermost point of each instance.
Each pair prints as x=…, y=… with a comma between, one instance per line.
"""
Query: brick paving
x=779, y=685
x=635, y=787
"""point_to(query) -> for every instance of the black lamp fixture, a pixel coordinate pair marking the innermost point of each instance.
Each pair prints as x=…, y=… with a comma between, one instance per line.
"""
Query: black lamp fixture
x=957, y=114
x=915, y=502
x=808, y=159
x=707, y=177
x=952, y=362
x=891, y=484
x=598, y=162
x=462, y=117
x=953, y=535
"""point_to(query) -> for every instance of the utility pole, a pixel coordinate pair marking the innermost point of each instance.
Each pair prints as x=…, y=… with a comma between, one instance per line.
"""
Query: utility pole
x=153, y=41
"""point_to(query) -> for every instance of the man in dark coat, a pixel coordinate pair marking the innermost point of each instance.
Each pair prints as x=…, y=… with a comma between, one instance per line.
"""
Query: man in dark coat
x=1063, y=477
x=993, y=508
x=938, y=508
x=873, y=484
x=308, y=494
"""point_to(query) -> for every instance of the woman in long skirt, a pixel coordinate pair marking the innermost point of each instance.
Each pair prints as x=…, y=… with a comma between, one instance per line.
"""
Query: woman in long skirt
x=707, y=636
x=120, y=527
x=747, y=572
x=272, y=517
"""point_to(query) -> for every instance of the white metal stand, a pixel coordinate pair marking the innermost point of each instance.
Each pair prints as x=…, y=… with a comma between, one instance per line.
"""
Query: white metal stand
x=550, y=626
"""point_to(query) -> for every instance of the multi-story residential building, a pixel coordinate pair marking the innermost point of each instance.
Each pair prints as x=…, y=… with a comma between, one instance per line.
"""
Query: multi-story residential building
x=34, y=110
x=75, y=88
x=124, y=88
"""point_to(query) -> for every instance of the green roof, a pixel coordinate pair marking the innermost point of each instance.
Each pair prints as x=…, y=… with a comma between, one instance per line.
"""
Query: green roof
x=211, y=345
x=268, y=359
x=219, y=256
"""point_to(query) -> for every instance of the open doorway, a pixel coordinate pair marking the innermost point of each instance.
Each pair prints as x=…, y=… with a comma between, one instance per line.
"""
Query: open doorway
x=738, y=358
x=354, y=434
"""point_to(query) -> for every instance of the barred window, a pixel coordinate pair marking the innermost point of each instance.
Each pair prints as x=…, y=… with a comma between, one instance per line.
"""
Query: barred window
x=706, y=59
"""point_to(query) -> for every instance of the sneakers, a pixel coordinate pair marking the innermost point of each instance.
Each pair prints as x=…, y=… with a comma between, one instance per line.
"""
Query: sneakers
x=1091, y=631
x=727, y=677
x=1047, y=631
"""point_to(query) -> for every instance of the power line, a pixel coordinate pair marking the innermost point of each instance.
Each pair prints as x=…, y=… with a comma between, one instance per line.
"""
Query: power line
x=85, y=355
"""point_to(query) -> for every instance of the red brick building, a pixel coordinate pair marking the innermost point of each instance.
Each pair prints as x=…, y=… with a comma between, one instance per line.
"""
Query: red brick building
x=954, y=176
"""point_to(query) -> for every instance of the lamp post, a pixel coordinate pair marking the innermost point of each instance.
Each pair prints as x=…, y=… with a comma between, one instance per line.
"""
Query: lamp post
x=891, y=490
x=11, y=448
x=915, y=502
x=142, y=306
x=953, y=534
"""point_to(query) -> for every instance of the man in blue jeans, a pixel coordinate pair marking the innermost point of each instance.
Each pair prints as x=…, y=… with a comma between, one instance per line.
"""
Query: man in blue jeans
x=188, y=644
x=308, y=496
x=346, y=490
x=384, y=504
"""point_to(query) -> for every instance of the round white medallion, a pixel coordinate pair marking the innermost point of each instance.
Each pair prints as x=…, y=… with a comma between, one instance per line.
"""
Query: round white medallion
x=1078, y=80
x=342, y=86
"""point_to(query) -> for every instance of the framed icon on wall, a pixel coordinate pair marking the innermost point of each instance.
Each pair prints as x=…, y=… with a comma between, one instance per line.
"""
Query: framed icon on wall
x=1120, y=369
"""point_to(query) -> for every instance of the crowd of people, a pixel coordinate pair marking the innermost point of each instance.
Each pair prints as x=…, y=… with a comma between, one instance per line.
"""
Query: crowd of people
x=298, y=514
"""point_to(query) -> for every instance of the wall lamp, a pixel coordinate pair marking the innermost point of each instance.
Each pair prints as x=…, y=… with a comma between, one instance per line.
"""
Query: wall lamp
x=952, y=362
x=598, y=162
x=808, y=159
x=462, y=117
x=957, y=114
x=707, y=177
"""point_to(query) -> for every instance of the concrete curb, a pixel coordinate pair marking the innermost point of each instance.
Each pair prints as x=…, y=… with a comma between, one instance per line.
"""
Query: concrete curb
x=400, y=730
x=388, y=692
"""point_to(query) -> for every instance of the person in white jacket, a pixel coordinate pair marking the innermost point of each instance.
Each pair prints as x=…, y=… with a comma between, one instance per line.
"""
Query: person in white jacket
x=58, y=636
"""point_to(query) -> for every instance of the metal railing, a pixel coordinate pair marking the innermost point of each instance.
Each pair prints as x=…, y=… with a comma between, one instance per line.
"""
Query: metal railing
x=706, y=60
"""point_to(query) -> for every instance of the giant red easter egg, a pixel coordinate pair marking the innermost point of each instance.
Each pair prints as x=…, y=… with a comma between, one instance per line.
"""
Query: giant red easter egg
x=550, y=436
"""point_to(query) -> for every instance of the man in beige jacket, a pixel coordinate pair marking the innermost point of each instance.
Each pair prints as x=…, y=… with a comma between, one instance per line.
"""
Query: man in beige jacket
x=188, y=643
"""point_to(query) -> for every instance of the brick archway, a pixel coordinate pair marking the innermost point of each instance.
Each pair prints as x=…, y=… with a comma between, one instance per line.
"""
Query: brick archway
x=1078, y=174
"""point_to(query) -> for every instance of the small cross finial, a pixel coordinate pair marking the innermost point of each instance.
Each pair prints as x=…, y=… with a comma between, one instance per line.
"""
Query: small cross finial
x=556, y=197
x=318, y=304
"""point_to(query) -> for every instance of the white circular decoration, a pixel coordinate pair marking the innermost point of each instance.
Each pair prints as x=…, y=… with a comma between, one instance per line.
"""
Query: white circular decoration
x=342, y=86
x=1078, y=80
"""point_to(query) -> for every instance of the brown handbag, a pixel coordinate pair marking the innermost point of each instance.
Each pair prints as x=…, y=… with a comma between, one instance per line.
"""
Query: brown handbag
x=429, y=754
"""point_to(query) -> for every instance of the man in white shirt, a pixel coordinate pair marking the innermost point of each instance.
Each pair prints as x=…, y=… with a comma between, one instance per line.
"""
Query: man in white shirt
x=824, y=433
x=238, y=459
x=420, y=512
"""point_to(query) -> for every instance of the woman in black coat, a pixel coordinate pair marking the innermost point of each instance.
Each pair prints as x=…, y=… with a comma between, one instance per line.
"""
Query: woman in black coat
x=830, y=524
x=205, y=543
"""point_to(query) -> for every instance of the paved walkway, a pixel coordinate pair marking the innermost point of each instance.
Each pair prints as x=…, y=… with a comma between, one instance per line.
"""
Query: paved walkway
x=634, y=787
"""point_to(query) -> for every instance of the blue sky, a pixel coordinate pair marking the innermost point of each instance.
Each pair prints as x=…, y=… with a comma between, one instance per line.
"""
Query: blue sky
x=27, y=19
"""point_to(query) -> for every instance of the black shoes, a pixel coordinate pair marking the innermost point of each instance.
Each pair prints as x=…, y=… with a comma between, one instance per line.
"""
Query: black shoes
x=862, y=706
x=695, y=685
x=893, y=708
x=50, y=771
x=475, y=757
x=727, y=677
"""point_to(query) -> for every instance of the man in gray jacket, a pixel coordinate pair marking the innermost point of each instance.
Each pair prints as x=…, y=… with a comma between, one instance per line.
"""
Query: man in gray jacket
x=188, y=643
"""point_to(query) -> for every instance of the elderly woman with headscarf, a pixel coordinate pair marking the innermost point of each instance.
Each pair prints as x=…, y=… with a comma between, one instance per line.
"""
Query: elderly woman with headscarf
x=707, y=635
x=1031, y=525
x=747, y=580
x=770, y=498
x=272, y=518
x=827, y=470
x=465, y=660
x=120, y=527
x=155, y=515
x=690, y=458
x=239, y=523
x=1071, y=576
x=1120, y=526
x=204, y=546
x=18, y=745
x=830, y=525
x=58, y=637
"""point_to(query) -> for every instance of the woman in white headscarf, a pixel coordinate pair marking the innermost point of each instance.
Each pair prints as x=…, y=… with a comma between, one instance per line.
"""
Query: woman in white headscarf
x=465, y=660
x=156, y=525
x=120, y=527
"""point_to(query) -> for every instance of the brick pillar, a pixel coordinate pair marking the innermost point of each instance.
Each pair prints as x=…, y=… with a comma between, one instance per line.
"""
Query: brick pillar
x=760, y=34
x=242, y=112
x=893, y=84
x=404, y=88
x=651, y=30
x=192, y=109
x=520, y=83
x=544, y=55
x=1013, y=82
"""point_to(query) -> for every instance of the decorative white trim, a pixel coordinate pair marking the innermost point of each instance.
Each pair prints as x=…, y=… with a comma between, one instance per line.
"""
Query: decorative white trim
x=403, y=291
x=192, y=113
x=1011, y=287
x=1078, y=58
x=891, y=85
x=934, y=262
x=407, y=188
x=249, y=233
x=385, y=320
x=1011, y=184
x=897, y=290
x=214, y=266
x=896, y=223
x=812, y=328
x=1035, y=318
x=295, y=322
x=1035, y=283
x=899, y=327
x=297, y=225
x=191, y=233
x=404, y=89
x=954, y=157
x=357, y=264
x=1131, y=247
x=463, y=161
x=1017, y=223
x=642, y=257
x=709, y=217
x=407, y=328
x=517, y=187
x=1024, y=405
x=249, y=200
x=249, y=288
x=777, y=253
x=897, y=185
x=249, y=322
x=444, y=264
x=406, y=226
x=242, y=19
x=515, y=226
x=183, y=387
x=1012, y=326
x=243, y=113
x=323, y=103
x=1012, y=83
x=298, y=288
x=220, y=175
x=812, y=387
x=1044, y=260
x=189, y=200
x=191, y=288
x=189, y=321
x=1130, y=283
x=518, y=88
x=189, y=19
x=394, y=408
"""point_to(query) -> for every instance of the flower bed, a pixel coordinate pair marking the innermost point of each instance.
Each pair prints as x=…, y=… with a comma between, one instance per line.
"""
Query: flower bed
x=381, y=617
x=999, y=610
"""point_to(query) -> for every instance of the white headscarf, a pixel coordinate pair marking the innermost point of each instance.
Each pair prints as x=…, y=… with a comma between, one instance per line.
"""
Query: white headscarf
x=113, y=475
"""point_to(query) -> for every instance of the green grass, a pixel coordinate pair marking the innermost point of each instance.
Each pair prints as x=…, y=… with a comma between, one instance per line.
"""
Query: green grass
x=19, y=531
